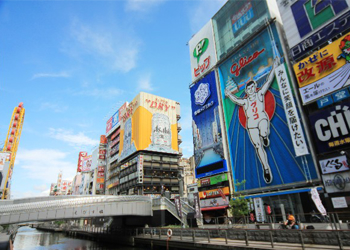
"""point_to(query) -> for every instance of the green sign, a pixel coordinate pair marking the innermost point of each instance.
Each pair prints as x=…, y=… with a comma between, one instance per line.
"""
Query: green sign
x=200, y=48
x=218, y=178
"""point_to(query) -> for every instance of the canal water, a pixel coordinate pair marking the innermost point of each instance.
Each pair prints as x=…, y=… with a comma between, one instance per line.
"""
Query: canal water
x=31, y=239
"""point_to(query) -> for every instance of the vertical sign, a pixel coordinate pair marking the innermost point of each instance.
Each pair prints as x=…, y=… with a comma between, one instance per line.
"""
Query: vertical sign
x=80, y=160
x=293, y=120
x=140, y=169
x=259, y=210
x=316, y=198
x=178, y=206
x=197, y=205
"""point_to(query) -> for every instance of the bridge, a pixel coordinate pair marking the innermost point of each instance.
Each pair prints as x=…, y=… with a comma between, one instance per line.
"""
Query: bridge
x=75, y=207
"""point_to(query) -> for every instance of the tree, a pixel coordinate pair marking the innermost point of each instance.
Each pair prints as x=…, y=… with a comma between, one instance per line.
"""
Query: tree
x=239, y=204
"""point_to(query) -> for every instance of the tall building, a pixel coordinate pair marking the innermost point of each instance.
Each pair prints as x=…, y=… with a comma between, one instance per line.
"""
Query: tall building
x=143, y=152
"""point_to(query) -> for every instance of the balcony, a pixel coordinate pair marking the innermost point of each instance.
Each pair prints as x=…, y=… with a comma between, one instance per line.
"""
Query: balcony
x=179, y=126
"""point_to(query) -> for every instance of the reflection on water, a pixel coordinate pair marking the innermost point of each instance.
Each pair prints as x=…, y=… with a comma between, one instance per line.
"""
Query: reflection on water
x=31, y=239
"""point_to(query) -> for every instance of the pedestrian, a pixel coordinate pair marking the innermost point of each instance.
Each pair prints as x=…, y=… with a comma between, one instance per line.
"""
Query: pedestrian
x=291, y=222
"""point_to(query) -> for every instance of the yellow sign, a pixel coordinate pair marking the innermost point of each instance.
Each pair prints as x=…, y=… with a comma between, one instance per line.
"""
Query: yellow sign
x=148, y=123
x=323, y=62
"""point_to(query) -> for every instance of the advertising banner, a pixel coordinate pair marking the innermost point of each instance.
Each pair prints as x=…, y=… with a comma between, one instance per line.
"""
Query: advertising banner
x=325, y=71
x=259, y=137
x=309, y=24
x=335, y=164
x=148, y=123
x=202, y=51
x=339, y=202
x=197, y=205
x=331, y=127
x=213, y=180
x=213, y=202
x=113, y=122
x=236, y=21
x=339, y=182
x=87, y=161
x=318, y=203
x=206, y=126
x=4, y=157
x=80, y=160
x=140, y=169
x=295, y=129
x=259, y=210
x=178, y=206
x=214, y=193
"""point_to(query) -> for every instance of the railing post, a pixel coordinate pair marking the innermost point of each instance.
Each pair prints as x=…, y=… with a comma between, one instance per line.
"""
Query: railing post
x=302, y=239
x=208, y=236
x=271, y=238
x=181, y=234
x=246, y=238
x=144, y=234
x=151, y=233
x=340, y=242
x=226, y=237
x=137, y=232
x=160, y=233
x=193, y=235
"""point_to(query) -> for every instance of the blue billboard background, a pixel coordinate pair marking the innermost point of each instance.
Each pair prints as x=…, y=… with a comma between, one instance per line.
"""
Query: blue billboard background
x=207, y=134
x=285, y=167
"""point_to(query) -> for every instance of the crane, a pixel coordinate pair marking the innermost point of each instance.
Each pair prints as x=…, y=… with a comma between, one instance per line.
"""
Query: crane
x=11, y=144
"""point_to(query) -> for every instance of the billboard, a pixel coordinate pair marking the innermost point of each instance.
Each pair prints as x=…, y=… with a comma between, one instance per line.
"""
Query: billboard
x=113, y=122
x=236, y=21
x=309, y=24
x=325, y=71
x=334, y=165
x=335, y=183
x=148, y=123
x=331, y=127
x=213, y=180
x=206, y=126
x=87, y=161
x=80, y=160
x=261, y=140
x=202, y=51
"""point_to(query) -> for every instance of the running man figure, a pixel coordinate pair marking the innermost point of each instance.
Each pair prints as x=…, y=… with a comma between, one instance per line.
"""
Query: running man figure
x=258, y=122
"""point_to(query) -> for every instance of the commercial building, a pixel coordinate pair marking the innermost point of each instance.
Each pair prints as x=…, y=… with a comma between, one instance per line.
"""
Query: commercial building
x=318, y=34
x=142, y=151
x=246, y=115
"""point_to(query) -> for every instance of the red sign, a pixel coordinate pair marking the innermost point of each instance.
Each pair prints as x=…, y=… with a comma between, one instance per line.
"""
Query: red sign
x=236, y=69
x=159, y=104
x=203, y=67
x=101, y=174
x=80, y=160
x=101, y=168
x=205, y=182
x=100, y=180
x=109, y=125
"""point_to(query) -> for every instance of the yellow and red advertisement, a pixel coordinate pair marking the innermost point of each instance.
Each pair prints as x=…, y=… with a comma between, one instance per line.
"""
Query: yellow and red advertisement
x=324, y=71
x=148, y=123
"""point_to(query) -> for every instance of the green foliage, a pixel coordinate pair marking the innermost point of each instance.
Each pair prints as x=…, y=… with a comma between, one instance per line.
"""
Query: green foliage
x=239, y=205
x=59, y=222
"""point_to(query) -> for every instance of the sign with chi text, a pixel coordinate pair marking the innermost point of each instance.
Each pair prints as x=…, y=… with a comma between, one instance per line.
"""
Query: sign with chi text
x=80, y=160
x=202, y=51
x=339, y=202
x=317, y=200
x=325, y=71
x=259, y=210
x=214, y=193
x=331, y=127
x=335, y=164
x=309, y=24
x=295, y=129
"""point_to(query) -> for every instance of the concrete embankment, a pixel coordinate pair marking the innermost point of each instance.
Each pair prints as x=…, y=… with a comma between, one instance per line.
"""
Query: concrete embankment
x=4, y=241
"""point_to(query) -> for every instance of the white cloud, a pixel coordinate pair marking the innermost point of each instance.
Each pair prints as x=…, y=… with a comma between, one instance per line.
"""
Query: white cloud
x=28, y=194
x=102, y=93
x=142, y=5
x=44, y=165
x=144, y=83
x=54, y=107
x=73, y=139
x=52, y=75
x=201, y=12
x=109, y=45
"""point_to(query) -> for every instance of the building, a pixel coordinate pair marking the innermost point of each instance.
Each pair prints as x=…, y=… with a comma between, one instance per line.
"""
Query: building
x=317, y=34
x=189, y=177
x=143, y=152
x=258, y=125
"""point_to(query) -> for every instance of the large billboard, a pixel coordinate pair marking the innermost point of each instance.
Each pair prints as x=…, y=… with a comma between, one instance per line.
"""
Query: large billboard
x=148, y=123
x=310, y=23
x=87, y=162
x=236, y=21
x=202, y=51
x=207, y=134
x=325, y=71
x=263, y=142
x=113, y=122
x=331, y=127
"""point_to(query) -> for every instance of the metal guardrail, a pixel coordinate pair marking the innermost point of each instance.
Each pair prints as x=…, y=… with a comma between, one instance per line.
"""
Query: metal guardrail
x=67, y=203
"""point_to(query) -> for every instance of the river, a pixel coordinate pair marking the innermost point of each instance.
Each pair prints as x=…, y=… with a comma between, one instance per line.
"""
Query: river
x=31, y=239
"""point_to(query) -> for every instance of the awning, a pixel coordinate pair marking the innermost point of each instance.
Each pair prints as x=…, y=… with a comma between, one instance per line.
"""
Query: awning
x=290, y=191
x=213, y=208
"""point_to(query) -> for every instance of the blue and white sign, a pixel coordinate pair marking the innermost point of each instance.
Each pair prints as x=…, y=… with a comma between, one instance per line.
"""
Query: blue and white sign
x=325, y=101
x=340, y=95
x=207, y=134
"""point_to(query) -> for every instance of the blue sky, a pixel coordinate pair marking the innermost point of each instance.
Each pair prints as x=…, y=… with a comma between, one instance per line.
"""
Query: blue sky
x=72, y=63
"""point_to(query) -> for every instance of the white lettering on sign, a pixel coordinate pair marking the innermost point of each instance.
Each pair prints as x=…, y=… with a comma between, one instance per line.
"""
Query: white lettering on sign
x=335, y=125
